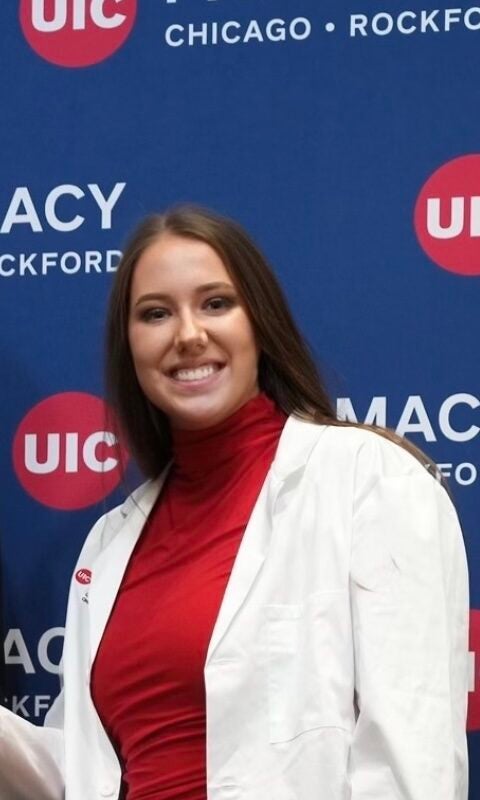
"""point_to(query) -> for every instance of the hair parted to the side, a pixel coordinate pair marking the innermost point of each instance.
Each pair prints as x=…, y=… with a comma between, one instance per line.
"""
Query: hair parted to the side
x=287, y=371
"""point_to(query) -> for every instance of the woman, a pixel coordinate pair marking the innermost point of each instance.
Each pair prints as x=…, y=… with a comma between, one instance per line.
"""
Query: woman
x=283, y=612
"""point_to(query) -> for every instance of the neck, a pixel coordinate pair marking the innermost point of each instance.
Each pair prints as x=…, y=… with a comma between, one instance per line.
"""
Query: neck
x=221, y=447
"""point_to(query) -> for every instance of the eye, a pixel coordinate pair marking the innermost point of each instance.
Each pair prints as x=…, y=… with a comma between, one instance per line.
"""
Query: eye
x=154, y=314
x=219, y=303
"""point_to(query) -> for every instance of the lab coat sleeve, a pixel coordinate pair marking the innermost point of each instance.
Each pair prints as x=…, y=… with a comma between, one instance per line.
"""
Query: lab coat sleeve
x=31, y=757
x=409, y=601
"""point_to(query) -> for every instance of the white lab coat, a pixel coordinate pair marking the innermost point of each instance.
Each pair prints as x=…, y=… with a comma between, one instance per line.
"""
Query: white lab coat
x=337, y=669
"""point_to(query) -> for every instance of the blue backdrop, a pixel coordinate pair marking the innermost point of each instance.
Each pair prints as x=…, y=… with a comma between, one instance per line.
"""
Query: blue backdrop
x=336, y=133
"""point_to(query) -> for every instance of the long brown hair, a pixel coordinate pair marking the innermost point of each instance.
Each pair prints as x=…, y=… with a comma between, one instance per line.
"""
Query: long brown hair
x=287, y=370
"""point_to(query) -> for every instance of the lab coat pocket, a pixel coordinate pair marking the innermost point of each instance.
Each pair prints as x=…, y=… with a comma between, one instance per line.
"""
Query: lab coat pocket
x=307, y=664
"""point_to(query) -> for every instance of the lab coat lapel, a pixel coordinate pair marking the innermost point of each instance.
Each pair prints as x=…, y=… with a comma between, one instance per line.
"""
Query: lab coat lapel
x=250, y=558
x=296, y=442
x=108, y=569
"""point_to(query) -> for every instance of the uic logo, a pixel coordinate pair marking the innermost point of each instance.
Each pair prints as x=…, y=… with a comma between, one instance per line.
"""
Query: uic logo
x=83, y=576
x=76, y=33
x=447, y=216
x=62, y=453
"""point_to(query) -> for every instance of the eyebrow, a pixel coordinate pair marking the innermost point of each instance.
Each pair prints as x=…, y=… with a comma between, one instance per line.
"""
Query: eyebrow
x=206, y=287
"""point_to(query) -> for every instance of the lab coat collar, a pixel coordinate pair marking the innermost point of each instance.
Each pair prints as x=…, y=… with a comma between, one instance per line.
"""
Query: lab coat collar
x=297, y=440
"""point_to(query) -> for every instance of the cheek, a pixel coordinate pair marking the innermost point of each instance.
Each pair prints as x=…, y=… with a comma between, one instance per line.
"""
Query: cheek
x=145, y=346
x=248, y=351
x=244, y=339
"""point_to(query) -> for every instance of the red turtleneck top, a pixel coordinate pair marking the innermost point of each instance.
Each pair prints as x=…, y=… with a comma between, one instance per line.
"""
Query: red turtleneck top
x=147, y=680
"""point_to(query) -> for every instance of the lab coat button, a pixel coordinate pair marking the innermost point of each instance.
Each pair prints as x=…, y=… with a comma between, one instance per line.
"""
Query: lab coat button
x=106, y=790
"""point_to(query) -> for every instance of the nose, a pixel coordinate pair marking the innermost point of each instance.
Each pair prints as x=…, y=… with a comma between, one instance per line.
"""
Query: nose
x=190, y=334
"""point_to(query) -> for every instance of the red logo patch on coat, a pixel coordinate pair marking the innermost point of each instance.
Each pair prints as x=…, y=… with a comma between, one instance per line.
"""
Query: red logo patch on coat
x=83, y=576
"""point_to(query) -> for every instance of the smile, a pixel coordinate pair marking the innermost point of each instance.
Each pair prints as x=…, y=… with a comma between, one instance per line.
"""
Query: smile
x=195, y=374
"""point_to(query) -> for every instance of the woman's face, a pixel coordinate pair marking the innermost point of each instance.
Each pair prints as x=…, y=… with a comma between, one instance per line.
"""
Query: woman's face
x=192, y=343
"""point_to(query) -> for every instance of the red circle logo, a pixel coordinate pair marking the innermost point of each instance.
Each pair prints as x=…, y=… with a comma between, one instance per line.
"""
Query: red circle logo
x=83, y=576
x=447, y=216
x=63, y=453
x=473, y=720
x=76, y=33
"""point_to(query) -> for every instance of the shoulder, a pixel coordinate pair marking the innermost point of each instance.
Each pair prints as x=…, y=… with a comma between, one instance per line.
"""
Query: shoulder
x=397, y=511
x=358, y=457
x=365, y=447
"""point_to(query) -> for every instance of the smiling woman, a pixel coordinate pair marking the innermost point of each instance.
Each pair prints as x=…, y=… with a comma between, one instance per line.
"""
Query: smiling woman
x=165, y=314
x=281, y=610
x=192, y=343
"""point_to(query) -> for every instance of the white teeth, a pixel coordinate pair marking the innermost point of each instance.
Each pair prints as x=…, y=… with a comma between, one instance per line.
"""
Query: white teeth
x=194, y=374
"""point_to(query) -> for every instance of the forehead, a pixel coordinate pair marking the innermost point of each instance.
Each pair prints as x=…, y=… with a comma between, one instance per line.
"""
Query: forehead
x=174, y=262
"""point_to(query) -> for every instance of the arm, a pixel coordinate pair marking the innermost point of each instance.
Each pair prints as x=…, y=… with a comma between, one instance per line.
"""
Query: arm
x=409, y=597
x=31, y=757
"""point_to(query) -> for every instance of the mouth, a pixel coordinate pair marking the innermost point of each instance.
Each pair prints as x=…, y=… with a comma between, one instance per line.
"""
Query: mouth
x=195, y=374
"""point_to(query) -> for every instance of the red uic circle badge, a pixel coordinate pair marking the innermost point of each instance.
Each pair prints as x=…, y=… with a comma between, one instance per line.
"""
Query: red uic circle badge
x=83, y=576
x=64, y=454
x=447, y=216
x=76, y=33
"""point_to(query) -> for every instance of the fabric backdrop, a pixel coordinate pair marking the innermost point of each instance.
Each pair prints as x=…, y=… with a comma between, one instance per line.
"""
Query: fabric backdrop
x=343, y=135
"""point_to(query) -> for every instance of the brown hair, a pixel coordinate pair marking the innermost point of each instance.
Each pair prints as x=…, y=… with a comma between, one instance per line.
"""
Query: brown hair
x=287, y=371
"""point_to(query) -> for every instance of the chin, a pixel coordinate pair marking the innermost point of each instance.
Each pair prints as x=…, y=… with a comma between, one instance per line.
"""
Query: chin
x=203, y=417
